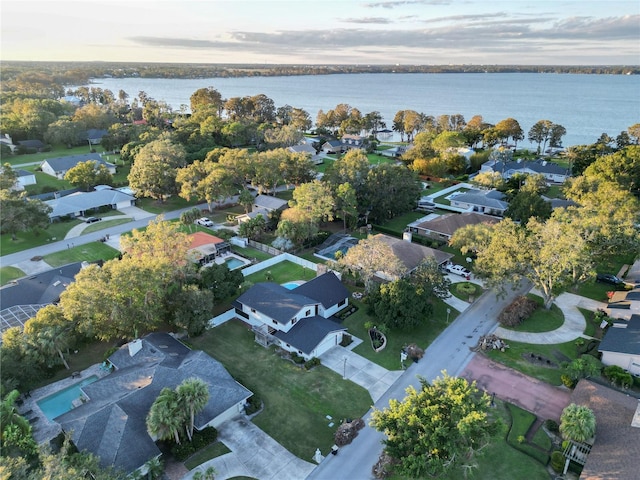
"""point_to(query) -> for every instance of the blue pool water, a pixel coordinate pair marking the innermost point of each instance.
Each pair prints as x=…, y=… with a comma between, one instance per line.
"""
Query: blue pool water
x=290, y=285
x=60, y=402
x=233, y=263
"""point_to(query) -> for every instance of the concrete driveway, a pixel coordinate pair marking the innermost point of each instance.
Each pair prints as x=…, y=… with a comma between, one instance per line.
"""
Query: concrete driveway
x=253, y=454
x=535, y=396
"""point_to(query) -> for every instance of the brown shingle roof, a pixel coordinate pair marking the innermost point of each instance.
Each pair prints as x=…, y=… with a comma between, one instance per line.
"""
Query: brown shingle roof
x=413, y=255
x=449, y=223
x=616, y=451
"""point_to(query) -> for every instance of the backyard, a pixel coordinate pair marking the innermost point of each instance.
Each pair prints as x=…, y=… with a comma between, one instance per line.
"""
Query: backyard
x=296, y=402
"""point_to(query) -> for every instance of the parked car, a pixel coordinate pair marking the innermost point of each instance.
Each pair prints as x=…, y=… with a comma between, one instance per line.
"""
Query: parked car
x=92, y=219
x=458, y=270
x=608, y=278
x=205, y=222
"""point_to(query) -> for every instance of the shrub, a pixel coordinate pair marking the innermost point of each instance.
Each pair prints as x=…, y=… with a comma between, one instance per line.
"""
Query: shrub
x=552, y=426
x=347, y=432
x=109, y=352
x=48, y=189
x=466, y=288
x=254, y=404
x=297, y=358
x=567, y=381
x=557, y=461
x=346, y=340
x=313, y=362
x=518, y=311
x=200, y=440
x=618, y=376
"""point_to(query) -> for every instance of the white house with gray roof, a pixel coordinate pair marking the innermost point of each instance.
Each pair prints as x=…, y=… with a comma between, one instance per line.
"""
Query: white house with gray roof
x=76, y=204
x=59, y=166
x=110, y=423
x=552, y=172
x=301, y=320
x=489, y=202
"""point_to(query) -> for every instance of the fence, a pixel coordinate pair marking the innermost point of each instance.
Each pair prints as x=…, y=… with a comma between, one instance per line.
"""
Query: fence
x=264, y=248
x=277, y=259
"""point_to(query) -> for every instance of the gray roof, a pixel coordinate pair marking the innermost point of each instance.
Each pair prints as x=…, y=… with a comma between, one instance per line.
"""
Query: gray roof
x=491, y=198
x=276, y=301
x=538, y=166
x=112, y=424
x=95, y=134
x=31, y=143
x=63, y=164
x=303, y=148
x=269, y=202
x=326, y=288
x=23, y=173
x=623, y=340
x=80, y=202
x=307, y=333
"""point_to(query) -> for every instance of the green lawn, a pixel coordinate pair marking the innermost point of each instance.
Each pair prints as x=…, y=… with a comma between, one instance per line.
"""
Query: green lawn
x=89, y=252
x=94, y=227
x=598, y=291
x=25, y=240
x=296, y=401
x=389, y=358
x=214, y=450
x=375, y=159
x=516, y=357
x=399, y=223
x=542, y=320
x=45, y=180
x=592, y=329
x=281, y=273
x=170, y=204
x=521, y=422
x=477, y=290
x=56, y=151
x=8, y=274
x=250, y=252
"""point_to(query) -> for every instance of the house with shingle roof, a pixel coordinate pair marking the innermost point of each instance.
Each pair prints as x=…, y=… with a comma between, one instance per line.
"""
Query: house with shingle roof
x=308, y=150
x=615, y=452
x=263, y=205
x=332, y=146
x=490, y=202
x=444, y=226
x=111, y=422
x=94, y=135
x=352, y=141
x=78, y=203
x=301, y=320
x=621, y=344
x=33, y=145
x=552, y=172
x=59, y=166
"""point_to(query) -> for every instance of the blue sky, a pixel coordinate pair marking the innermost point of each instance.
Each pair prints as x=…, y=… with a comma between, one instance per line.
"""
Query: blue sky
x=570, y=32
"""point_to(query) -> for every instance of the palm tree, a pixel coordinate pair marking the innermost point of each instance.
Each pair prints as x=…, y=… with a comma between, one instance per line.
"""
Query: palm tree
x=50, y=333
x=15, y=430
x=193, y=395
x=154, y=468
x=578, y=423
x=165, y=418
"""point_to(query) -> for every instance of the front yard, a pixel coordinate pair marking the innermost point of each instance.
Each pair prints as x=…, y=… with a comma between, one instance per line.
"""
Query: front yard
x=89, y=252
x=296, y=401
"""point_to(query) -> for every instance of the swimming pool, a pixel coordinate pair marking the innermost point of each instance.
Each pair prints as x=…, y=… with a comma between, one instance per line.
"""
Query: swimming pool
x=61, y=402
x=233, y=263
x=290, y=285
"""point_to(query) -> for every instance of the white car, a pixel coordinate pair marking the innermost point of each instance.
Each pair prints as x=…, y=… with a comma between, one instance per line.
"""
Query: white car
x=205, y=222
x=458, y=270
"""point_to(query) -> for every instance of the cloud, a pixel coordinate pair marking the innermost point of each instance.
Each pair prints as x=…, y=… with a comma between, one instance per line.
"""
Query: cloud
x=368, y=20
x=403, y=3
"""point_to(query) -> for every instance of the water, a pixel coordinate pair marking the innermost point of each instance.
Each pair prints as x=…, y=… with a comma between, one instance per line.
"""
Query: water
x=61, y=402
x=586, y=105
x=290, y=285
x=233, y=263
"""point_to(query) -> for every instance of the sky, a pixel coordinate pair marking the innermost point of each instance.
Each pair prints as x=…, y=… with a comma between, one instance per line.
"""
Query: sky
x=405, y=32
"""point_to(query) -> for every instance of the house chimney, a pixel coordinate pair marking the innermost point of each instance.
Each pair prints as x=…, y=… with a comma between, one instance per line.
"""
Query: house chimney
x=407, y=236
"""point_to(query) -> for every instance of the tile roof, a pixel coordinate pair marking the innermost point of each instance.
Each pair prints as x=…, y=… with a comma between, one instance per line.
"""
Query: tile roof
x=615, y=453
x=199, y=239
x=112, y=424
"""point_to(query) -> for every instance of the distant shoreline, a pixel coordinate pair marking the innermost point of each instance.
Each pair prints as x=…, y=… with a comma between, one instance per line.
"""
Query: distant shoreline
x=82, y=72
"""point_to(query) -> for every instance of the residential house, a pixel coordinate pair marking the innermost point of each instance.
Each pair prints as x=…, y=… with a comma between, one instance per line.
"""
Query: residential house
x=6, y=140
x=443, y=227
x=59, y=166
x=351, y=141
x=621, y=345
x=410, y=254
x=301, y=320
x=94, y=135
x=263, y=205
x=395, y=152
x=76, y=204
x=552, y=172
x=490, y=202
x=204, y=248
x=616, y=449
x=309, y=150
x=21, y=299
x=110, y=422
x=31, y=146
x=332, y=146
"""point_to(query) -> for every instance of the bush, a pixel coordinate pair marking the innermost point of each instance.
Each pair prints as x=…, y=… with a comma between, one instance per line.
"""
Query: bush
x=518, y=311
x=200, y=440
x=466, y=288
x=48, y=189
x=314, y=362
x=297, y=358
x=552, y=426
x=557, y=461
x=346, y=340
x=567, y=381
x=109, y=352
x=254, y=404
x=618, y=376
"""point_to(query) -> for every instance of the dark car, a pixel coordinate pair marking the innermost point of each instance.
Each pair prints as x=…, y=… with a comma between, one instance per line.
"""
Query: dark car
x=608, y=278
x=92, y=219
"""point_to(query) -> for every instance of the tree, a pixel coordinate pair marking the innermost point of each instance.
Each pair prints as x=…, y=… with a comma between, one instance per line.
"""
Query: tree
x=622, y=168
x=577, y=423
x=435, y=429
x=471, y=238
x=154, y=171
x=296, y=225
x=188, y=217
x=315, y=199
x=253, y=228
x=192, y=309
x=527, y=204
x=166, y=417
x=390, y=190
x=539, y=133
x=206, y=180
x=49, y=333
x=246, y=199
x=509, y=128
x=370, y=256
x=20, y=214
x=208, y=98
x=193, y=396
x=346, y=202
x=86, y=175
x=429, y=278
x=219, y=281
x=400, y=304
x=16, y=438
x=66, y=132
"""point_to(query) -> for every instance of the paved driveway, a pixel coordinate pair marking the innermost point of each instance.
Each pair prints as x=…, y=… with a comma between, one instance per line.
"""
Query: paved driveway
x=540, y=398
x=253, y=454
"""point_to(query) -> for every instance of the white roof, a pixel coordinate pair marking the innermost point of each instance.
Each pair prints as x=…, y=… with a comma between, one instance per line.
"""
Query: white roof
x=79, y=202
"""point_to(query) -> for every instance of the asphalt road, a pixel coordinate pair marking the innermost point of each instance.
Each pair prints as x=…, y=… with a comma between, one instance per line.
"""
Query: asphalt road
x=451, y=351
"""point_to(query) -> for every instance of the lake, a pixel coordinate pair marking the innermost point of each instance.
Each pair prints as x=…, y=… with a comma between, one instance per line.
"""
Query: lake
x=586, y=105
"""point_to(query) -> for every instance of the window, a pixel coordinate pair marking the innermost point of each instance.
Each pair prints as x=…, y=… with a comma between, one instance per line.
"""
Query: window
x=342, y=302
x=253, y=310
x=274, y=322
x=294, y=320
x=307, y=313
